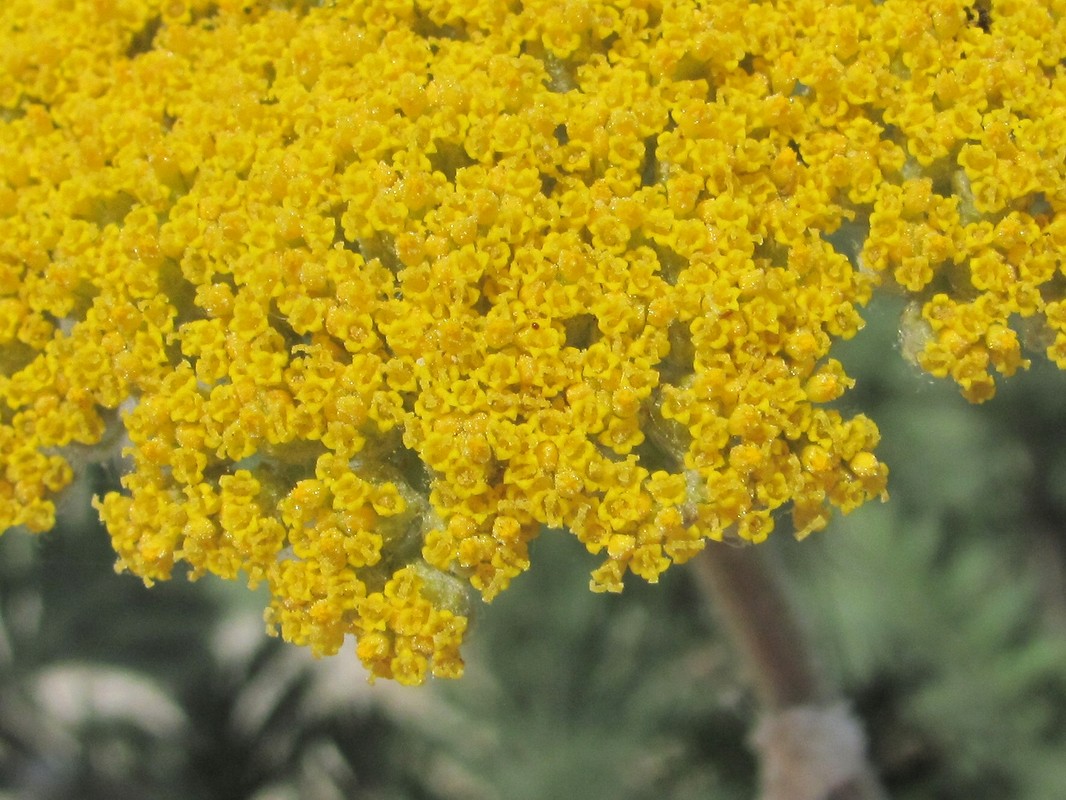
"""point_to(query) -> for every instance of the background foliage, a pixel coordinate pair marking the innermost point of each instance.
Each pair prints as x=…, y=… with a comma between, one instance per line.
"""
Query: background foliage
x=942, y=613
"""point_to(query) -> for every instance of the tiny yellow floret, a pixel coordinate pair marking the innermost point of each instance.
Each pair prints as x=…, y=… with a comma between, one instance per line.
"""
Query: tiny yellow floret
x=366, y=294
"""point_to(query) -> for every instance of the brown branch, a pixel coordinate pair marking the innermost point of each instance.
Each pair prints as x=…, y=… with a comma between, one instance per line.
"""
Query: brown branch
x=811, y=746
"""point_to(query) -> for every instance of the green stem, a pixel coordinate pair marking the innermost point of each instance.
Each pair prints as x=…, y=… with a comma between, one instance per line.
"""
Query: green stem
x=798, y=703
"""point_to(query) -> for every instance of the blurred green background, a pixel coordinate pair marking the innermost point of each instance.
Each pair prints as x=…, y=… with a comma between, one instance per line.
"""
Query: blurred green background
x=941, y=613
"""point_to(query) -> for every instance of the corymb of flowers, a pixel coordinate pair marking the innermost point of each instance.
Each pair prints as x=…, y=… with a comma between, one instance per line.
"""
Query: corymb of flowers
x=367, y=294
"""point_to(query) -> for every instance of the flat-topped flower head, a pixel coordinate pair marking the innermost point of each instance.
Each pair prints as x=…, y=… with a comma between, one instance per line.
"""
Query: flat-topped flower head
x=373, y=291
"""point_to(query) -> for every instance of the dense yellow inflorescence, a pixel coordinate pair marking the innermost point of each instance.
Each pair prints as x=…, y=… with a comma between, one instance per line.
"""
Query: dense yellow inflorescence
x=374, y=291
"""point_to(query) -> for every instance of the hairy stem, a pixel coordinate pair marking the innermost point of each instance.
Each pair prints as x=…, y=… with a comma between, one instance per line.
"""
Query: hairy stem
x=811, y=747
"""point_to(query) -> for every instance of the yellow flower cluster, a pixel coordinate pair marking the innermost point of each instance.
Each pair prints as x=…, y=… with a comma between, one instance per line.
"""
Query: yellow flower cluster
x=375, y=290
x=974, y=228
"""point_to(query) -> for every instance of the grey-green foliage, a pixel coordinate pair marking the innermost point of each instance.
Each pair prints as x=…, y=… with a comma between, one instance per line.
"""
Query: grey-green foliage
x=575, y=694
x=964, y=684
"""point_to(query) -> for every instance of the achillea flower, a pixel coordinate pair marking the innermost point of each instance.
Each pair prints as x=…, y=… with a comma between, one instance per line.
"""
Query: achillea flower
x=382, y=288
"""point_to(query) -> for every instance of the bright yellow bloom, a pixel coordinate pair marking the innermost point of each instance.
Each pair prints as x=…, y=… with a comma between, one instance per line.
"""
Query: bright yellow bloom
x=375, y=290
